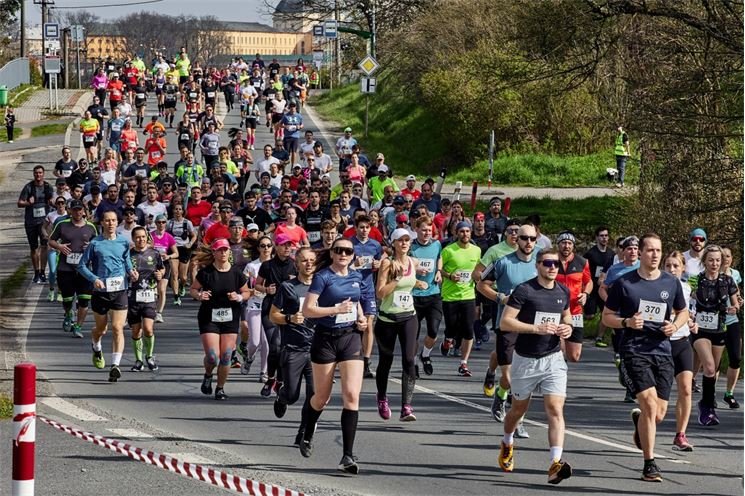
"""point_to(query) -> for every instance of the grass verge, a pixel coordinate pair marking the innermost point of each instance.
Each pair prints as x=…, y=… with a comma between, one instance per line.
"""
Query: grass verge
x=17, y=131
x=11, y=284
x=47, y=129
x=6, y=406
x=20, y=95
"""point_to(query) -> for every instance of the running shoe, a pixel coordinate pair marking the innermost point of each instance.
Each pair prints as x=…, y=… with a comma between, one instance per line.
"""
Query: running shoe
x=714, y=417
x=67, y=323
x=98, y=360
x=695, y=387
x=177, y=301
x=207, y=384
x=266, y=390
x=306, y=448
x=42, y=278
x=558, y=471
x=246, y=366
x=506, y=457
x=617, y=360
x=477, y=345
x=349, y=465
x=59, y=297
x=299, y=438
x=731, y=401
x=367, y=373
x=707, y=416
x=234, y=362
x=445, y=346
x=151, y=363
x=263, y=377
x=182, y=292
x=521, y=432
x=114, y=373
x=407, y=414
x=651, y=472
x=426, y=364
x=498, y=409
x=158, y=317
x=279, y=408
x=635, y=414
x=600, y=343
x=680, y=443
x=243, y=351
x=463, y=370
x=51, y=296
x=384, y=409
x=220, y=394
x=138, y=366
x=490, y=385
x=36, y=278
x=77, y=331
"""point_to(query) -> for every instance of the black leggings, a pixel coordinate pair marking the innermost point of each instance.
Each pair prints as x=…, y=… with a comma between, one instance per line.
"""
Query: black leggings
x=295, y=365
x=733, y=342
x=274, y=339
x=386, y=334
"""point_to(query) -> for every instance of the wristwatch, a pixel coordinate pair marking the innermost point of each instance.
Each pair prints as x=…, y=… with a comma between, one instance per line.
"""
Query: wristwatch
x=623, y=322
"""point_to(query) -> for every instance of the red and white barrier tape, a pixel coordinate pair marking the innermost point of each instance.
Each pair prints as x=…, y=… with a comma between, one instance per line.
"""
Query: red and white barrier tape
x=191, y=470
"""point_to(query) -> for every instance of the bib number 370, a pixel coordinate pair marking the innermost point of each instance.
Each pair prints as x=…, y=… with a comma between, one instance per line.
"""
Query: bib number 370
x=652, y=311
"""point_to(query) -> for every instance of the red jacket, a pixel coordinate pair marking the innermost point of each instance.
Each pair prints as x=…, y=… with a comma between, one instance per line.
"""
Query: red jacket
x=575, y=275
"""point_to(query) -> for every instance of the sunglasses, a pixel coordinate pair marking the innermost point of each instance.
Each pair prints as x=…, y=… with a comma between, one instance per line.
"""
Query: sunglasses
x=528, y=238
x=699, y=239
x=550, y=264
x=343, y=250
x=226, y=210
x=160, y=222
x=265, y=246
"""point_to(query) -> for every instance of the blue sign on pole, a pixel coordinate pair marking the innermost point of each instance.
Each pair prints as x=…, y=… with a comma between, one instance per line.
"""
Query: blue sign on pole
x=318, y=30
x=329, y=29
x=51, y=30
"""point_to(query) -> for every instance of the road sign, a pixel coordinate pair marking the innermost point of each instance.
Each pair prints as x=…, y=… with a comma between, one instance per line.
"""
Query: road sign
x=368, y=65
x=52, y=47
x=52, y=65
x=51, y=30
x=318, y=30
x=76, y=33
x=318, y=55
x=367, y=85
x=329, y=29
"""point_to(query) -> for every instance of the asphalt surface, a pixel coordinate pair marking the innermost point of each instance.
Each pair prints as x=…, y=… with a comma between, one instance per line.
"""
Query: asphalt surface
x=450, y=449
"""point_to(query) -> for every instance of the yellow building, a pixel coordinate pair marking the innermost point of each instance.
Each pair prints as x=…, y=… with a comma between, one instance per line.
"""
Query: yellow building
x=100, y=46
x=253, y=37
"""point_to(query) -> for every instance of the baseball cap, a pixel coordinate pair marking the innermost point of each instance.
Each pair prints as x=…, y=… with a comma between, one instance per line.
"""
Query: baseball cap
x=347, y=129
x=76, y=204
x=411, y=177
x=566, y=236
x=297, y=166
x=115, y=74
x=399, y=199
x=235, y=221
x=282, y=239
x=220, y=244
x=462, y=225
x=380, y=156
x=160, y=218
x=61, y=180
x=402, y=218
x=400, y=233
x=698, y=232
x=382, y=168
x=252, y=227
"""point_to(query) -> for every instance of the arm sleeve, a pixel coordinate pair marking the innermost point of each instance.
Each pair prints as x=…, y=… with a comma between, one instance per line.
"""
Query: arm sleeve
x=518, y=297
x=318, y=284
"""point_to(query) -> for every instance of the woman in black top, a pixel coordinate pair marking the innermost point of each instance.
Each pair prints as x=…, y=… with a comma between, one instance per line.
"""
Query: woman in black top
x=220, y=288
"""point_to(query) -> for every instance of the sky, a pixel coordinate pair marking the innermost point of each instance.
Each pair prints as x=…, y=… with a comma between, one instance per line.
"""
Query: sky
x=228, y=10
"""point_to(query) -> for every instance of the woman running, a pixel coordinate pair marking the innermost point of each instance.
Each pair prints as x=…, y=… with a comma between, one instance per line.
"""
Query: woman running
x=682, y=358
x=253, y=337
x=185, y=235
x=220, y=288
x=60, y=205
x=186, y=132
x=733, y=341
x=716, y=297
x=165, y=244
x=291, y=229
x=333, y=301
x=397, y=319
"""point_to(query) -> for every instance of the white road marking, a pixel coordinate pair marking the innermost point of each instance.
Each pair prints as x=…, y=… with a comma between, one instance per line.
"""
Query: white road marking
x=192, y=458
x=130, y=434
x=568, y=432
x=71, y=410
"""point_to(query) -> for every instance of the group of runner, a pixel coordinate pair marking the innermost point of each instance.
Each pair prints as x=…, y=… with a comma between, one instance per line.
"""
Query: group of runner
x=310, y=275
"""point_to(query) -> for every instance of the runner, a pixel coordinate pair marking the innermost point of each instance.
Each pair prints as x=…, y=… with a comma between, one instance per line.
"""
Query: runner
x=36, y=198
x=574, y=273
x=459, y=259
x=600, y=259
x=141, y=306
x=89, y=129
x=251, y=325
x=734, y=338
x=682, y=352
x=165, y=245
x=694, y=265
x=50, y=221
x=170, y=96
x=716, y=297
x=538, y=306
x=642, y=303
x=183, y=231
x=110, y=264
x=140, y=100
x=333, y=301
x=297, y=337
x=70, y=238
x=397, y=319
x=220, y=288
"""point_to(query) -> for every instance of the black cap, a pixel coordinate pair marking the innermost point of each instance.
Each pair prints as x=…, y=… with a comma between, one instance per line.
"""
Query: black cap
x=75, y=204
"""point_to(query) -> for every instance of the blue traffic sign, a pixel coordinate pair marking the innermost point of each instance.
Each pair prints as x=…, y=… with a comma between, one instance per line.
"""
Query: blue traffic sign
x=329, y=29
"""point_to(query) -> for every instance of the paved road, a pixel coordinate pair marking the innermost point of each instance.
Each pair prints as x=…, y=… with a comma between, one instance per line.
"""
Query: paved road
x=451, y=449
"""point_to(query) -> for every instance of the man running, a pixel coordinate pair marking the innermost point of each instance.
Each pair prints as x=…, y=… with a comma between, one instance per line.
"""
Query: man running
x=538, y=312
x=574, y=273
x=642, y=302
x=600, y=259
x=36, y=198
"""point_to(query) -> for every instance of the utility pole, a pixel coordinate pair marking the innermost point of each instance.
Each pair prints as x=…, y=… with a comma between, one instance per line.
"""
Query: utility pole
x=23, y=29
x=373, y=31
x=66, y=55
x=337, y=44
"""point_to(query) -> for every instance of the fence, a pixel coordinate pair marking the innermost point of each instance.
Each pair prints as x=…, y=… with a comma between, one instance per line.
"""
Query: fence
x=15, y=73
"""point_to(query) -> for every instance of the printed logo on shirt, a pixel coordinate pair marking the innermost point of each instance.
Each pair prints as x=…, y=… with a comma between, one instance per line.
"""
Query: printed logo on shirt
x=560, y=301
x=664, y=295
x=355, y=285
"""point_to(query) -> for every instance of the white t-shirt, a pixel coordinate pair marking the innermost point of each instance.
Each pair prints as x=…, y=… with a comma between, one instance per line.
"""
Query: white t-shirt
x=693, y=265
x=323, y=162
x=248, y=92
x=122, y=230
x=278, y=106
x=265, y=165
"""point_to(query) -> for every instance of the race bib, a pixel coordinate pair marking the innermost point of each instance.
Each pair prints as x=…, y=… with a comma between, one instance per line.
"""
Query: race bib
x=598, y=271
x=652, y=311
x=40, y=211
x=170, y=96
x=463, y=276
x=210, y=94
x=578, y=320
x=141, y=172
x=116, y=127
x=349, y=317
x=109, y=177
x=116, y=95
x=68, y=173
x=403, y=299
x=185, y=137
x=708, y=321
x=270, y=96
x=314, y=236
x=73, y=258
x=547, y=318
x=88, y=139
x=292, y=128
x=155, y=154
x=114, y=284
x=365, y=263
x=145, y=296
x=257, y=84
x=222, y=315
x=159, y=85
x=212, y=147
x=140, y=96
x=427, y=264
x=192, y=95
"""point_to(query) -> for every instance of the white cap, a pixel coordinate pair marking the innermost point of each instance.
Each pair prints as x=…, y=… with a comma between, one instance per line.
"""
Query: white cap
x=411, y=177
x=114, y=74
x=252, y=227
x=400, y=233
x=383, y=168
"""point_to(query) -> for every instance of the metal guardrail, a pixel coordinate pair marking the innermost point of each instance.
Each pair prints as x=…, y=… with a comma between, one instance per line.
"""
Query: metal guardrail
x=15, y=73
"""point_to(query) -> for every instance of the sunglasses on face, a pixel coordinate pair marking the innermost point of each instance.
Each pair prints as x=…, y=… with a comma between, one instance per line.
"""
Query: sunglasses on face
x=550, y=264
x=343, y=250
x=698, y=239
x=528, y=238
x=265, y=247
x=60, y=203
